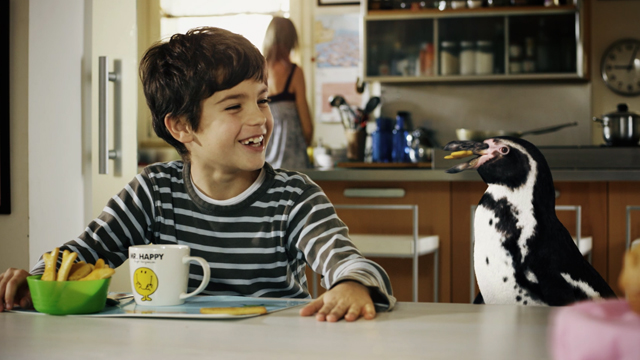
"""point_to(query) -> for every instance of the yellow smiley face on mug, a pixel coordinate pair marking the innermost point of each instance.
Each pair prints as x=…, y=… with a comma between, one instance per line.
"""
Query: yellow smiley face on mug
x=145, y=282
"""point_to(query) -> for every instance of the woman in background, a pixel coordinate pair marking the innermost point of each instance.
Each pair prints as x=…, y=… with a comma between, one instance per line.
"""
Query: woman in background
x=293, y=128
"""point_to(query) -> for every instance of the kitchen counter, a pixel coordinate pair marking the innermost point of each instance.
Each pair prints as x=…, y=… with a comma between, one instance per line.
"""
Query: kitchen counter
x=441, y=175
x=586, y=163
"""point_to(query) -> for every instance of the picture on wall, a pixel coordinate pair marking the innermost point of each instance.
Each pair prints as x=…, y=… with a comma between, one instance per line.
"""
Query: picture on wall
x=337, y=50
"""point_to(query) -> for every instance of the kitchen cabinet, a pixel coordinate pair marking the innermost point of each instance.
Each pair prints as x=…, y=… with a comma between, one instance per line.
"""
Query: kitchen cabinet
x=621, y=195
x=433, y=200
x=445, y=210
x=498, y=43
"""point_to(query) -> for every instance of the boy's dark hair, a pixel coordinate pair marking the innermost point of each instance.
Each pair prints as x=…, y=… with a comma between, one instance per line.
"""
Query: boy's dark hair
x=178, y=74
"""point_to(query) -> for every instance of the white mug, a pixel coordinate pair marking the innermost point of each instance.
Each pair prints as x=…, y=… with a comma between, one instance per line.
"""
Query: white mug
x=160, y=273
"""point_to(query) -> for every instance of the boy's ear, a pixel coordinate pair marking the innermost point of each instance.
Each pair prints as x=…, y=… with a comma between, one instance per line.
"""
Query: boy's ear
x=179, y=128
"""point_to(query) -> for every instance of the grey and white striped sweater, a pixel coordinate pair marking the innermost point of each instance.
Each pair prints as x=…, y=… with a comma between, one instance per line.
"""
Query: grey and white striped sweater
x=257, y=247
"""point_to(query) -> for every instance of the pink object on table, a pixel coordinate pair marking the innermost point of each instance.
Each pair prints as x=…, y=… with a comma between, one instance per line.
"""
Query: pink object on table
x=589, y=330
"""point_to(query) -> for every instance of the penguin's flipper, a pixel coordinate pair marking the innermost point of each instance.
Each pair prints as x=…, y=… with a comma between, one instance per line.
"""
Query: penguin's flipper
x=479, y=300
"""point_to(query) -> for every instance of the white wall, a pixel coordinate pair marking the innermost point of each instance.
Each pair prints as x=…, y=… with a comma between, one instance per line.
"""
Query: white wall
x=611, y=21
x=51, y=191
x=14, y=228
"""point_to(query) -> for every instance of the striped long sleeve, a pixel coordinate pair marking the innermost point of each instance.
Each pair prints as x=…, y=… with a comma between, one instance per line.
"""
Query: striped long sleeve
x=259, y=246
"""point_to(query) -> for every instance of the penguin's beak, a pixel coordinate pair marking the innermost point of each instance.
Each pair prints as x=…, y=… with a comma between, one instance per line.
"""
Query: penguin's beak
x=462, y=149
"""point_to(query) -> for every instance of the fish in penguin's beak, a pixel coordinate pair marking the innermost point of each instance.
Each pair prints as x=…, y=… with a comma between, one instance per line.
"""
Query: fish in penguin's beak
x=462, y=149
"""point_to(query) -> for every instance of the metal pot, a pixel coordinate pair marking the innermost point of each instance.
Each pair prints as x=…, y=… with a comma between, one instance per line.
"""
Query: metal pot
x=479, y=135
x=620, y=128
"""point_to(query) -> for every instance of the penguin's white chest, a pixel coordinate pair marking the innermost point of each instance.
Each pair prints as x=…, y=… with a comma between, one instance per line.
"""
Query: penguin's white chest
x=494, y=265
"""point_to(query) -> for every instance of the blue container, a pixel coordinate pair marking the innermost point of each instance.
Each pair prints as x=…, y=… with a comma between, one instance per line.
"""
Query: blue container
x=382, y=140
x=401, y=147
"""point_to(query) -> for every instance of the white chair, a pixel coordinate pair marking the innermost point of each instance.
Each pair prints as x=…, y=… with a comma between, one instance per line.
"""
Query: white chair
x=584, y=244
x=399, y=246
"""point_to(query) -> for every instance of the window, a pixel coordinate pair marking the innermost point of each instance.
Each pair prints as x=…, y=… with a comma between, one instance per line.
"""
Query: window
x=249, y=18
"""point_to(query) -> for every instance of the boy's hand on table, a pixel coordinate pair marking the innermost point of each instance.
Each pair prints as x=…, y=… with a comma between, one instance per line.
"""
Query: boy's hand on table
x=14, y=290
x=349, y=300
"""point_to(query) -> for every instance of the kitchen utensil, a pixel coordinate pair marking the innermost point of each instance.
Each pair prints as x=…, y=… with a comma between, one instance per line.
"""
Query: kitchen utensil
x=68, y=297
x=620, y=128
x=336, y=102
x=371, y=105
x=479, y=135
x=339, y=101
x=421, y=145
x=356, y=139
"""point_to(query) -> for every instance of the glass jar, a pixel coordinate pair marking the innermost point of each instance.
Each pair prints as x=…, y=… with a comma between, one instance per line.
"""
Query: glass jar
x=484, y=57
x=467, y=58
x=449, y=63
x=515, y=66
x=515, y=58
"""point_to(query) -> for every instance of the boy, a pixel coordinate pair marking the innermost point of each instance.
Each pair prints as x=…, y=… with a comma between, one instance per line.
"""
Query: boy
x=257, y=227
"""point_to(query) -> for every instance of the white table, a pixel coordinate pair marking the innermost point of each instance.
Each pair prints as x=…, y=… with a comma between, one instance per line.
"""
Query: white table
x=410, y=331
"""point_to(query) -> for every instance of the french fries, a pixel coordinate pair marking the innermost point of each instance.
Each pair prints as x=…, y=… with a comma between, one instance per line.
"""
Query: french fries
x=68, y=258
x=50, y=265
x=98, y=274
x=80, y=270
x=71, y=270
x=99, y=264
x=459, y=154
x=243, y=310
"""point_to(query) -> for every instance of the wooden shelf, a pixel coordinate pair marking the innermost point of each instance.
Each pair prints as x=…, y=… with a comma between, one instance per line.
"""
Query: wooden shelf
x=483, y=11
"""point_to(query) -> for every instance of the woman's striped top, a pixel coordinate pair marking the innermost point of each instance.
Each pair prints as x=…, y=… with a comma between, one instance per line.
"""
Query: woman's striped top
x=258, y=246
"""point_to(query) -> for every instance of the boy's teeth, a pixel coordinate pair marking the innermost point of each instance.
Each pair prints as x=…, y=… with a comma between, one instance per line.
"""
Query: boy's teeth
x=255, y=140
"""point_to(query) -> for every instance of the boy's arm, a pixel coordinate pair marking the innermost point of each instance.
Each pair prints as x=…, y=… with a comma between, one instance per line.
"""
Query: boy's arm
x=322, y=237
x=124, y=221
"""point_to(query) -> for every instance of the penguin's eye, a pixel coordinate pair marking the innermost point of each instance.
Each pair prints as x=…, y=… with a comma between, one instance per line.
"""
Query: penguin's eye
x=504, y=150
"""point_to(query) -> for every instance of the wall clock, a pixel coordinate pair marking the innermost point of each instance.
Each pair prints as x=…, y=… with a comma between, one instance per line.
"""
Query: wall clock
x=620, y=67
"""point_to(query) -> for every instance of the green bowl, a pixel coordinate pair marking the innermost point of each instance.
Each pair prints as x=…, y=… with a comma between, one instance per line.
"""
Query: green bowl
x=68, y=297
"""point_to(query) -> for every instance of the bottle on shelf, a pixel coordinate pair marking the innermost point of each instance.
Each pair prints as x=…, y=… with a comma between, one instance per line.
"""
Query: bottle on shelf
x=449, y=62
x=473, y=4
x=382, y=140
x=426, y=59
x=515, y=58
x=401, y=147
x=484, y=57
x=458, y=4
x=467, y=58
x=529, y=61
x=398, y=60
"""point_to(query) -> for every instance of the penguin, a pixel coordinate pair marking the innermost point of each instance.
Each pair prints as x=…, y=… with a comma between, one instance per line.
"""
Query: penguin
x=522, y=252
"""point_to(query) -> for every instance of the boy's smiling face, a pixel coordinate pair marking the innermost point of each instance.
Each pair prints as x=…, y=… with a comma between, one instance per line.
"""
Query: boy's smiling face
x=235, y=127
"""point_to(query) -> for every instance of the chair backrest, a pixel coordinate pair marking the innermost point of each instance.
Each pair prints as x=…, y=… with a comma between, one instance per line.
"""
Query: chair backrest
x=630, y=208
